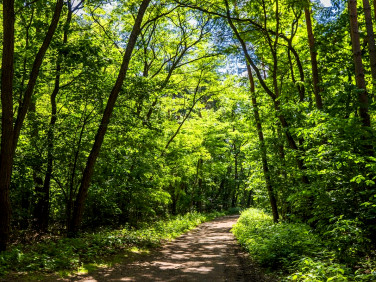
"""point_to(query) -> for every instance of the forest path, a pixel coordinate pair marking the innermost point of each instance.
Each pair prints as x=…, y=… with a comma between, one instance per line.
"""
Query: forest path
x=208, y=253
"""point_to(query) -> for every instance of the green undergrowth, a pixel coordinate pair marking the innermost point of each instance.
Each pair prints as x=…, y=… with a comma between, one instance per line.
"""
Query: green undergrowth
x=298, y=254
x=69, y=255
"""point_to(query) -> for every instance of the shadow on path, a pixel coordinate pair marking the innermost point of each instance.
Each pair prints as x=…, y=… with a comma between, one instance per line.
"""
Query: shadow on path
x=207, y=253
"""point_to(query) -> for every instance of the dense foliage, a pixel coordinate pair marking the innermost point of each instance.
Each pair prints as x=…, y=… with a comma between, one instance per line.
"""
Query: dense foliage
x=123, y=112
x=299, y=252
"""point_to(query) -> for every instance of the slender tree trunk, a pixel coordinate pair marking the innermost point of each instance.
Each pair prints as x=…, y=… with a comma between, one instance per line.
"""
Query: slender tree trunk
x=299, y=86
x=194, y=102
x=22, y=110
x=359, y=69
x=290, y=141
x=6, y=157
x=197, y=184
x=236, y=175
x=265, y=166
x=273, y=96
x=371, y=43
x=89, y=168
x=42, y=210
x=313, y=53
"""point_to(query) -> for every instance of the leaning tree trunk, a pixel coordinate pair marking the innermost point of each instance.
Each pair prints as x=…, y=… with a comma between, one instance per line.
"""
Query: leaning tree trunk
x=24, y=106
x=89, y=168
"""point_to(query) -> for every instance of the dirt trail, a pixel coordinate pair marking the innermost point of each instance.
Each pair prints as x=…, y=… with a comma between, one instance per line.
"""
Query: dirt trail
x=207, y=253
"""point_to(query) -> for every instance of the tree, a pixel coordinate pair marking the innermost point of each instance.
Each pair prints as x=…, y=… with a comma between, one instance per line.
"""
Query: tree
x=86, y=177
x=359, y=69
x=313, y=53
x=10, y=132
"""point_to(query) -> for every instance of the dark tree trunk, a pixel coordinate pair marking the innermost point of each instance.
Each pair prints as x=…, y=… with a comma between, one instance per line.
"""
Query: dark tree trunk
x=236, y=176
x=371, y=43
x=359, y=69
x=249, y=199
x=42, y=211
x=313, y=53
x=174, y=199
x=11, y=134
x=6, y=157
x=196, y=192
x=299, y=86
x=89, y=168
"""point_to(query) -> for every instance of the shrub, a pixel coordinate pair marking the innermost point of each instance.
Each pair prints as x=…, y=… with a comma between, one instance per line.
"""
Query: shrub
x=274, y=245
x=298, y=251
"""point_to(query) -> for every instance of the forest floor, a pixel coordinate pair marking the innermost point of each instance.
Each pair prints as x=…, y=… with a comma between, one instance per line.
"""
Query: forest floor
x=208, y=253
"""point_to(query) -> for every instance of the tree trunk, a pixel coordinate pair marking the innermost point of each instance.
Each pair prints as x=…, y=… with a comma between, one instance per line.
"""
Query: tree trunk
x=273, y=96
x=313, y=53
x=236, y=175
x=10, y=134
x=89, y=168
x=6, y=157
x=265, y=166
x=43, y=204
x=22, y=110
x=359, y=70
x=371, y=43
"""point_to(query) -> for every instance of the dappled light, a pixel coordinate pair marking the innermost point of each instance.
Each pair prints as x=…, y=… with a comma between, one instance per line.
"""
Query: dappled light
x=208, y=253
x=126, y=124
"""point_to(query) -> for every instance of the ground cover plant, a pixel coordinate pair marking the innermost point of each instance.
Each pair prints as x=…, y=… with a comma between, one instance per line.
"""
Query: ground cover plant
x=66, y=255
x=298, y=253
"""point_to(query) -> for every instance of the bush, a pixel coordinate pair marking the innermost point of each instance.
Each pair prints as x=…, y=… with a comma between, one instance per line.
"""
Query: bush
x=300, y=253
x=346, y=238
x=274, y=245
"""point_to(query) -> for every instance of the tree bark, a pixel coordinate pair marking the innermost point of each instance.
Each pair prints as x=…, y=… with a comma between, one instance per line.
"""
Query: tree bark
x=371, y=43
x=313, y=53
x=6, y=157
x=10, y=134
x=265, y=166
x=359, y=69
x=89, y=168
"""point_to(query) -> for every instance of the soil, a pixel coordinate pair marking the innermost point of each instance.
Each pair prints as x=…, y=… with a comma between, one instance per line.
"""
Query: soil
x=207, y=253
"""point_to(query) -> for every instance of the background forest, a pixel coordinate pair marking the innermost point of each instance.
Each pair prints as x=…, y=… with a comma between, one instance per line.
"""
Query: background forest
x=120, y=112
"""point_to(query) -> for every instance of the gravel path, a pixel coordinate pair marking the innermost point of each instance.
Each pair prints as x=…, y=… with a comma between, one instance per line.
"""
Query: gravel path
x=207, y=253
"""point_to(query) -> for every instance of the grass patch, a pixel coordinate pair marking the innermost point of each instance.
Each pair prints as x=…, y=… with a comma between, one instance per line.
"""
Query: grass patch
x=295, y=251
x=65, y=256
